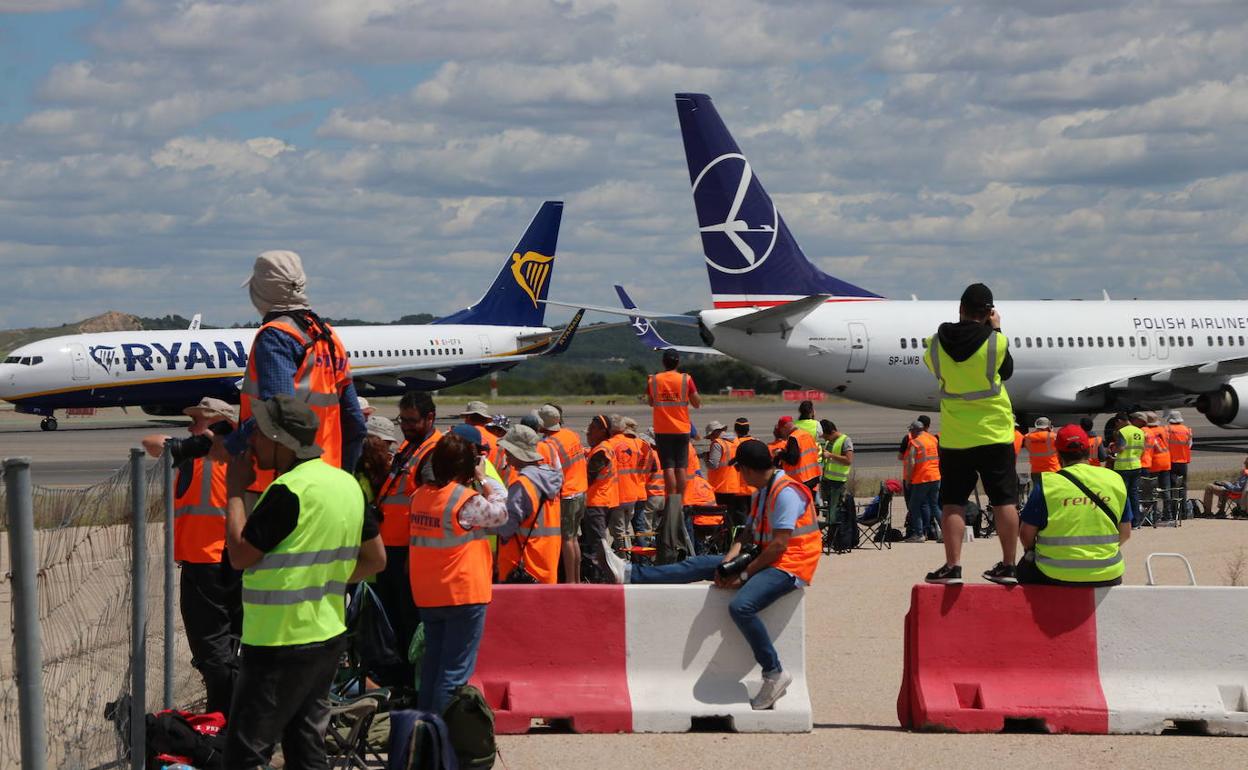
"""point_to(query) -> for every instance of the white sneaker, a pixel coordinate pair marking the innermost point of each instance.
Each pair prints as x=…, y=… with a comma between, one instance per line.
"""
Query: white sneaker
x=615, y=565
x=774, y=687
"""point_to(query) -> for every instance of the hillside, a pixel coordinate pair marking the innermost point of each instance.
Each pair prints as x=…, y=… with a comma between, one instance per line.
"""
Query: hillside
x=112, y=321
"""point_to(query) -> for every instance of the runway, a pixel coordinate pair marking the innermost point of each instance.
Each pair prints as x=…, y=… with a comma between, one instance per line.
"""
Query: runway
x=86, y=450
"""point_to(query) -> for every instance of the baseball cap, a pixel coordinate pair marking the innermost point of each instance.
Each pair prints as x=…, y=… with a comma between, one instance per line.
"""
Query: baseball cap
x=977, y=295
x=1071, y=438
x=753, y=454
x=1043, y=422
x=469, y=433
x=382, y=427
x=479, y=408
x=549, y=416
x=521, y=443
x=289, y=422
x=785, y=420
x=213, y=409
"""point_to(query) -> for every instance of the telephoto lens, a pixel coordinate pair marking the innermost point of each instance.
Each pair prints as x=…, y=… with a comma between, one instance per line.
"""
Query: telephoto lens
x=737, y=564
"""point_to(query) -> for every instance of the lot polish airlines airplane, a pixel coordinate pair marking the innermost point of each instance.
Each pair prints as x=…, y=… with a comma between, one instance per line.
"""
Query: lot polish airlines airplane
x=166, y=371
x=776, y=310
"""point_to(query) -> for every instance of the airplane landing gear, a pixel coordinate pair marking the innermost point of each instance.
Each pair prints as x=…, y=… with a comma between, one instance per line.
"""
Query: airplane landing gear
x=48, y=423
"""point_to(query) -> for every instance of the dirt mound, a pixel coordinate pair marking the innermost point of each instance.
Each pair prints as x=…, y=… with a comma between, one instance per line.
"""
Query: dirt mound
x=112, y=321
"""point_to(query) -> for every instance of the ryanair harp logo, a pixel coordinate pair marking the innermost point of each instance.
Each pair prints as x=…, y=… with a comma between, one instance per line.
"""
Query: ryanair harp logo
x=531, y=272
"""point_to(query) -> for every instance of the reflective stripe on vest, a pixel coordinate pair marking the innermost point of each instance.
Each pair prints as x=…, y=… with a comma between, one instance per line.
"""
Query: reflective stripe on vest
x=990, y=373
x=725, y=479
x=449, y=539
x=833, y=470
x=1180, y=438
x=975, y=407
x=603, y=491
x=544, y=540
x=923, y=459
x=1160, y=444
x=447, y=564
x=198, y=523
x=1132, y=448
x=572, y=457
x=807, y=466
x=801, y=555
x=1094, y=445
x=295, y=593
x=1079, y=544
x=1042, y=451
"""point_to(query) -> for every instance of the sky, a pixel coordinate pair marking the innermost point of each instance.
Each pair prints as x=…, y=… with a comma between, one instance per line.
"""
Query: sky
x=150, y=149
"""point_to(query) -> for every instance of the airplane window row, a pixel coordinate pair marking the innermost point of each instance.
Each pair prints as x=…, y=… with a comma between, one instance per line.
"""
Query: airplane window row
x=24, y=360
x=419, y=352
x=1102, y=342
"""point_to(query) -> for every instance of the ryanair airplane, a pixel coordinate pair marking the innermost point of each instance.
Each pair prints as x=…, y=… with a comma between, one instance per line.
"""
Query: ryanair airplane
x=165, y=371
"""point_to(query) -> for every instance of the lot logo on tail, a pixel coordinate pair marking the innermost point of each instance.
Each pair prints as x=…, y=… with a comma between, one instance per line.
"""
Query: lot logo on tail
x=531, y=272
x=737, y=219
x=104, y=355
x=642, y=325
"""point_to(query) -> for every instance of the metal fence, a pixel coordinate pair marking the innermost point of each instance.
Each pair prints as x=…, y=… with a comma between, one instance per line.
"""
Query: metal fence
x=90, y=585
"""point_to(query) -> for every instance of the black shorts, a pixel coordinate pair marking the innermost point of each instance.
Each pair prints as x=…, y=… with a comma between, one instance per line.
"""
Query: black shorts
x=673, y=449
x=993, y=464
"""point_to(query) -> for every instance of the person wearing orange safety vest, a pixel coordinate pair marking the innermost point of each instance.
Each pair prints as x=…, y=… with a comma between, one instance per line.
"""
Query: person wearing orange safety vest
x=1157, y=438
x=571, y=452
x=784, y=530
x=670, y=393
x=1041, y=449
x=799, y=458
x=210, y=595
x=451, y=566
x=477, y=414
x=297, y=354
x=408, y=470
x=922, y=474
x=630, y=484
x=656, y=491
x=1018, y=441
x=530, y=539
x=1180, y=439
x=1096, y=447
x=730, y=491
x=603, y=493
x=636, y=480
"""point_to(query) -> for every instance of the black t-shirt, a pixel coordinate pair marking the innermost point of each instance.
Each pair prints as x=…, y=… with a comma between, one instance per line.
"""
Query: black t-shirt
x=277, y=515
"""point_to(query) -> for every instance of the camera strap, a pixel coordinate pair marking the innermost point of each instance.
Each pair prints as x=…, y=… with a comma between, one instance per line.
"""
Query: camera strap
x=1094, y=497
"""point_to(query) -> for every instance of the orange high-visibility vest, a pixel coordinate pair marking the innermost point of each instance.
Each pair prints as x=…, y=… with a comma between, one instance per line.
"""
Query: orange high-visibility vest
x=801, y=557
x=394, y=499
x=1160, y=445
x=629, y=472
x=1042, y=451
x=1094, y=446
x=777, y=446
x=541, y=550
x=726, y=479
x=199, y=514
x=319, y=382
x=447, y=564
x=807, y=466
x=1180, y=437
x=655, y=485
x=698, y=491
x=923, y=459
x=604, y=491
x=1146, y=456
x=572, y=455
x=670, y=393
x=1018, y=442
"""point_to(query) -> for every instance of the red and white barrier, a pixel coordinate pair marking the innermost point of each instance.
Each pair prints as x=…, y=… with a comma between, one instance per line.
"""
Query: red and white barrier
x=1080, y=660
x=634, y=659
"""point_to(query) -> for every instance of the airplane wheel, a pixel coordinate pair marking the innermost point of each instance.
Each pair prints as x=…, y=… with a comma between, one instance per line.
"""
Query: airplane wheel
x=48, y=423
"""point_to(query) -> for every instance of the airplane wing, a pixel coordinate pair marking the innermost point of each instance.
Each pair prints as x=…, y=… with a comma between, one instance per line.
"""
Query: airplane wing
x=650, y=337
x=653, y=315
x=1144, y=378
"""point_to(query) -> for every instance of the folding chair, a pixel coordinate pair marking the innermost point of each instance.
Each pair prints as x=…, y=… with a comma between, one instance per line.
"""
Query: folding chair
x=1148, y=497
x=873, y=526
x=346, y=737
x=711, y=533
x=1167, y=507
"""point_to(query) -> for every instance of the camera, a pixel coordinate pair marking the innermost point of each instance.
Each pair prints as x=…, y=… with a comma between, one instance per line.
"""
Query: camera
x=195, y=447
x=737, y=564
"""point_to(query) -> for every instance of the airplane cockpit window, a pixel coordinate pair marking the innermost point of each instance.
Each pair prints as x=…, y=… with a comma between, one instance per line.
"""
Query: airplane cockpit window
x=25, y=361
x=12, y=360
x=36, y=360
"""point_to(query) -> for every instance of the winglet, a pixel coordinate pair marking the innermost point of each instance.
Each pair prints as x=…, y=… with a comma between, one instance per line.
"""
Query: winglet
x=565, y=338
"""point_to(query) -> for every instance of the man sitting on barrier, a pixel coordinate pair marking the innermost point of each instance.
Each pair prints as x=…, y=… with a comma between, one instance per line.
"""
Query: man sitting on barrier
x=1224, y=490
x=776, y=552
x=1075, y=521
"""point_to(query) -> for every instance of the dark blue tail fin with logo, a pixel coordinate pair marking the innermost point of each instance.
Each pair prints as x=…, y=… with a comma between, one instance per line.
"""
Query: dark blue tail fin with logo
x=515, y=297
x=751, y=257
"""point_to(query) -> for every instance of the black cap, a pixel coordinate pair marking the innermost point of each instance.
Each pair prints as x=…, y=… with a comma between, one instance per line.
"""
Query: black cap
x=977, y=296
x=670, y=357
x=289, y=422
x=753, y=454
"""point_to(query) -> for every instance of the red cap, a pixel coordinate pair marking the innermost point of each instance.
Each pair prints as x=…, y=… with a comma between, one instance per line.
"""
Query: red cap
x=1071, y=438
x=784, y=420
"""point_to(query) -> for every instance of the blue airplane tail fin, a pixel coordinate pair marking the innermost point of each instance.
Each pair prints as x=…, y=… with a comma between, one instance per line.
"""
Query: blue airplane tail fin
x=515, y=297
x=641, y=326
x=751, y=257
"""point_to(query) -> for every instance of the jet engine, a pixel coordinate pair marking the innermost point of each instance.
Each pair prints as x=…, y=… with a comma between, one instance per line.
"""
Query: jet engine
x=163, y=410
x=1226, y=407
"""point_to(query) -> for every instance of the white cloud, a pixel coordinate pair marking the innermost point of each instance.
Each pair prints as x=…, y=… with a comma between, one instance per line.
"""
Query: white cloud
x=249, y=157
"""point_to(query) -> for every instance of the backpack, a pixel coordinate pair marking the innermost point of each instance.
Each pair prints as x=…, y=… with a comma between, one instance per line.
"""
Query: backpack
x=191, y=739
x=419, y=740
x=471, y=723
x=374, y=639
x=845, y=535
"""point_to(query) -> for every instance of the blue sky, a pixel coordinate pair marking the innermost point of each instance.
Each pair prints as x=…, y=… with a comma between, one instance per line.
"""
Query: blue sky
x=150, y=149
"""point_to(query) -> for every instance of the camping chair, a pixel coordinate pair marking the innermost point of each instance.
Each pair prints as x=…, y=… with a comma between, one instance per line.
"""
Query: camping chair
x=1148, y=501
x=1167, y=508
x=711, y=533
x=346, y=737
x=874, y=522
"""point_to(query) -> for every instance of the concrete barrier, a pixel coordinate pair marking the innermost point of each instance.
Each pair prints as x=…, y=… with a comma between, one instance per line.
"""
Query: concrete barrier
x=1109, y=660
x=688, y=664
x=655, y=658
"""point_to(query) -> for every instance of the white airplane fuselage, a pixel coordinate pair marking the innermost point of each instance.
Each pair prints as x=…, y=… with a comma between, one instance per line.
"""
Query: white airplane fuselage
x=872, y=350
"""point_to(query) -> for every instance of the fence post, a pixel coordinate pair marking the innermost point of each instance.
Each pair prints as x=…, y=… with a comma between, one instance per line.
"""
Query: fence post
x=166, y=464
x=138, y=610
x=29, y=655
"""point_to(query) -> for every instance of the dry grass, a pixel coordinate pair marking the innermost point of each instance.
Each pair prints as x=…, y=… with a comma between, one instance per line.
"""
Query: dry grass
x=1235, y=569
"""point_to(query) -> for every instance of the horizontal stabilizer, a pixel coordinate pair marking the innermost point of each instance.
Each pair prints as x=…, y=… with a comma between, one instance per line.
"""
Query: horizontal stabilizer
x=650, y=336
x=776, y=320
x=654, y=315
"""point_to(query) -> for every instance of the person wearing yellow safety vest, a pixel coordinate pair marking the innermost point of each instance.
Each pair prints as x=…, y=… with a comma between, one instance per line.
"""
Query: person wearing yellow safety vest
x=806, y=420
x=530, y=539
x=784, y=528
x=1041, y=451
x=922, y=473
x=799, y=457
x=209, y=596
x=308, y=537
x=1129, y=456
x=837, y=458
x=971, y=362
x=1075, y=521
x=670, y=393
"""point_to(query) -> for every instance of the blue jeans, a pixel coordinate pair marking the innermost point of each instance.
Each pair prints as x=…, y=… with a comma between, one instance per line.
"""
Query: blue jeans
x=452, y=636
x=1132, y=480
x=924, y=503
x=758, y=593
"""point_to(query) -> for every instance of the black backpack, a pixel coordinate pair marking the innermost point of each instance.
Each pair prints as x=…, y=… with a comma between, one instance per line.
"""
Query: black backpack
x=419, y=740
x=845, y=535
x=373, y=638
x=471, y=723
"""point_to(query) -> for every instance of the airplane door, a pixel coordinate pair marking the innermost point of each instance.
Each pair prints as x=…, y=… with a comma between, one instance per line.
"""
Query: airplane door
x=858, y=350
x=1161, y=349
x=78, y=358
x=484, y=339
